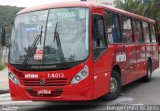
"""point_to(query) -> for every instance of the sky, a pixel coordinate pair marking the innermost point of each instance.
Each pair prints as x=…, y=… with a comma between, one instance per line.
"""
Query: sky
x=29, y=3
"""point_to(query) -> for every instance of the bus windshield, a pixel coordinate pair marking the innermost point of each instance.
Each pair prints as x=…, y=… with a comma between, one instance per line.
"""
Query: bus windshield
x=63, y=36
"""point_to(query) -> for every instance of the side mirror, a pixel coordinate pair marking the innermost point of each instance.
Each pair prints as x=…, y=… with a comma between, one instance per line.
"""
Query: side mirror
x=3, y=36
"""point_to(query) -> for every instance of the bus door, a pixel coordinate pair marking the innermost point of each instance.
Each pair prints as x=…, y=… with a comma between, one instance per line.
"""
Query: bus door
x=130, y=49
x=101, y=83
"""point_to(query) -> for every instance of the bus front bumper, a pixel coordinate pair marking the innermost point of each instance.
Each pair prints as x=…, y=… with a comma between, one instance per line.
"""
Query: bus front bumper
x=76, y=92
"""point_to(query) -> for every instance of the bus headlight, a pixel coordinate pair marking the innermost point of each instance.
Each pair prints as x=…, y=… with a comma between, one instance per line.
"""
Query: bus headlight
x=81, y=75
x=13, y=78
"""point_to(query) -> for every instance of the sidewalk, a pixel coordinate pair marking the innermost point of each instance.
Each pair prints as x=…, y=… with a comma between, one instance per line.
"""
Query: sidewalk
x=4, y=87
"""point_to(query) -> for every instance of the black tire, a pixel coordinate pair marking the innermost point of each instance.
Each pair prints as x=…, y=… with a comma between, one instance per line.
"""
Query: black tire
x=148, y=77
x=115, y=77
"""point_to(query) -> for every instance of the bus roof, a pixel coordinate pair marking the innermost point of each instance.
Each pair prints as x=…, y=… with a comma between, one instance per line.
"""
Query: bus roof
x=91, y=5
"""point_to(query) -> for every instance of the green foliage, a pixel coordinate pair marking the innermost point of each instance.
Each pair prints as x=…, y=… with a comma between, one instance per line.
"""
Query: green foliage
x=134, y=6
x=2, y=66
x=150, y=9
x=8, y=13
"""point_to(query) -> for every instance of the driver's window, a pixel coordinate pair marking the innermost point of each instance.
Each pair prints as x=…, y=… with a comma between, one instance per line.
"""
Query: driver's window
x=98, y=31
x=99, y=38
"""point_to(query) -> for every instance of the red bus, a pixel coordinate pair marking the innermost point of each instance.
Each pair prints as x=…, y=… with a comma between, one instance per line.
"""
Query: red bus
x=78, y=51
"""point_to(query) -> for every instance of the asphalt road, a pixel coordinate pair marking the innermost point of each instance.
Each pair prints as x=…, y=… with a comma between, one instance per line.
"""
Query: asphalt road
x=136, y=93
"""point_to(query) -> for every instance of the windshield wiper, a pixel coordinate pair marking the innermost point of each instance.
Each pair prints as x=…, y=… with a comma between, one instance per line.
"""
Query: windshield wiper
x=58, y=41
x=31, y=49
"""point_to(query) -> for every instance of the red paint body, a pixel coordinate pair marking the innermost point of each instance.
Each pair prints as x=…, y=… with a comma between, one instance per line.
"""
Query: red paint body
x=97, y=83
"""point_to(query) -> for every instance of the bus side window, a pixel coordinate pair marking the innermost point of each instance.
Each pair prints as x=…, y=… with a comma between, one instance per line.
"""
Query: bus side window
x=146, y=32
x=99, y=38
x=138, y=31
x=127, y=30
x=153, y=33
x=112, y=27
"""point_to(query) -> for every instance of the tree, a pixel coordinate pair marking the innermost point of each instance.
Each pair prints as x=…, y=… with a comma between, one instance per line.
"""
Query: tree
x=149, y=9
x=152, y=11
x=7, y=14
x=134, y=6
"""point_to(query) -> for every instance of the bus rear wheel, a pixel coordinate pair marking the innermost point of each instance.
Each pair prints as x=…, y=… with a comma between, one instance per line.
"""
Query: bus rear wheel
x=115, y=86
x=148, y=77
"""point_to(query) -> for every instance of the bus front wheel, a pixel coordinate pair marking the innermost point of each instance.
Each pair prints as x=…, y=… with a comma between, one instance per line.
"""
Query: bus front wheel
x=115, y=86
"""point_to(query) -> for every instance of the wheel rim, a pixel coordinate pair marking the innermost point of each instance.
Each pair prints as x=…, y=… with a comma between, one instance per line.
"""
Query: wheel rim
x=113, y=85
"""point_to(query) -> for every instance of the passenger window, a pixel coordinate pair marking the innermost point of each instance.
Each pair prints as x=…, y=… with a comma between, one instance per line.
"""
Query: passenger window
x=127, y=30
x=138, y=31
x=99, y=38
x=153, y=34
x=146, y=32
x=112, y=27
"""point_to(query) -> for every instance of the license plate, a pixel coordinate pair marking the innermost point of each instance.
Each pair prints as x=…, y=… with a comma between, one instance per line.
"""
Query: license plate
x=44, y=92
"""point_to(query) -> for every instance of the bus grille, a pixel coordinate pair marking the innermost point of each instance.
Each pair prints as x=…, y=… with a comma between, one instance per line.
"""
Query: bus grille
x=48, y=82
x=53, y=94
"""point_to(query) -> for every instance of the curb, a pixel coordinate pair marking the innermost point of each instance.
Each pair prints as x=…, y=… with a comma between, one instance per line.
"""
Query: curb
x=4, y=91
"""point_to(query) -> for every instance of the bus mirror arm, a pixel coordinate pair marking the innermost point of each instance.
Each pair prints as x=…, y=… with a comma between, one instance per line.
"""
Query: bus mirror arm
x=3, y=36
